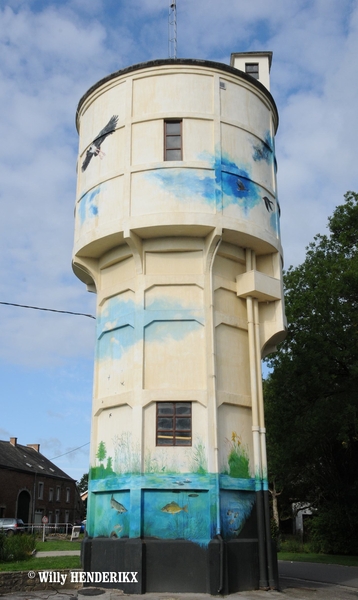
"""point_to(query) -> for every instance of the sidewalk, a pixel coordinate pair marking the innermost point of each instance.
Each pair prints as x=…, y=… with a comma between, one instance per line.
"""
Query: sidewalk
x=287, y=593
x=58, y=553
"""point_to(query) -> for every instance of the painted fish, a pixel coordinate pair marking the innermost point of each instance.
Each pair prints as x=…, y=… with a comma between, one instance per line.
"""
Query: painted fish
x=117, y=506
x=174, y=508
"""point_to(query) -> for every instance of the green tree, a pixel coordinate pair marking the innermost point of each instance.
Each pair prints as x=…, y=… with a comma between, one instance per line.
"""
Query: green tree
x=101, y=452
x=82, y=484
x=109, y=467
x=311, y=398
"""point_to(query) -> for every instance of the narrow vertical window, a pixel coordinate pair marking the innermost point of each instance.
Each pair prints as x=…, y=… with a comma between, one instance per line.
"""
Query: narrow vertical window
x=67, y=494
x=252, y=69
x=173, y=424
x=58, y=493
x=50, y=495
x=173, y=140
x=40, y=491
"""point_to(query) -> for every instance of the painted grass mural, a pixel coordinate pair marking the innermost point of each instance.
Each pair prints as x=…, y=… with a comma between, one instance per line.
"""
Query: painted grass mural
x=164, y=504
x=237, y=460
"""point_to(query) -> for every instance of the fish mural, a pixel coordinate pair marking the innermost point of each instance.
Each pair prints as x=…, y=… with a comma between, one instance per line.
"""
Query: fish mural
x=117, y=506
x=173, y=508
x=132, y=503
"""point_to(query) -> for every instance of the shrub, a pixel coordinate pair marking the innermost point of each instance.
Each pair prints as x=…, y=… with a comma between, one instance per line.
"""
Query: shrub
x=16, y=547
x=292, y=544
x=334, y=531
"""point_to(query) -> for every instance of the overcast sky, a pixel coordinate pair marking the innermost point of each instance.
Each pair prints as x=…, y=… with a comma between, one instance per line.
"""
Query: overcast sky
x=51, y=52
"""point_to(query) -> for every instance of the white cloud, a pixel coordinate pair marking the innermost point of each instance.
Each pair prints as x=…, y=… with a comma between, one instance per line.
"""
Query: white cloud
x=51, y=53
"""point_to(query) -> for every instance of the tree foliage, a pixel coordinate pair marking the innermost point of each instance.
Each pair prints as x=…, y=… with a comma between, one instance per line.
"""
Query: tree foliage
x=82, y=484
x=311, y=396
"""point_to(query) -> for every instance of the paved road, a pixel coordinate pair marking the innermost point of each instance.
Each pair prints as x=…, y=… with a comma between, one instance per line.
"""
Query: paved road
x=316, y=572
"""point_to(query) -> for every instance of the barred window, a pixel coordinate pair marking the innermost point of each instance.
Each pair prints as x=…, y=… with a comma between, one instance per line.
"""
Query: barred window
x=173, y=423
x=173, y=140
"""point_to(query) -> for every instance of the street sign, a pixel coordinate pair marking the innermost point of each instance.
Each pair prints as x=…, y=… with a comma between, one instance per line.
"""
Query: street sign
x=44, y=520
x=75, y=532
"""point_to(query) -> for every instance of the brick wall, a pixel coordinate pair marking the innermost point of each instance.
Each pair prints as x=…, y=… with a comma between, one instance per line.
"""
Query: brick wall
x=13, y=482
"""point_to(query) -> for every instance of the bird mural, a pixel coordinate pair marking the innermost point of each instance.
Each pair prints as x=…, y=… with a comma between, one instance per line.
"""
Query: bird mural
x=240, y=186
x=268, y=203
x=95, y=147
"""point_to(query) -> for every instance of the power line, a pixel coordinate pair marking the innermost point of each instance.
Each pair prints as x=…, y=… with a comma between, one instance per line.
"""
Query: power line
x=65, y=312
x=69, y=452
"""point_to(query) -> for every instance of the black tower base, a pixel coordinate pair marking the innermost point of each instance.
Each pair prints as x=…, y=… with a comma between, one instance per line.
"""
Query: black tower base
x=138, y=566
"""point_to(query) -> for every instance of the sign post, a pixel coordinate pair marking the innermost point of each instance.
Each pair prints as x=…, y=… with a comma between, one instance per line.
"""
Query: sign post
x=44, y=521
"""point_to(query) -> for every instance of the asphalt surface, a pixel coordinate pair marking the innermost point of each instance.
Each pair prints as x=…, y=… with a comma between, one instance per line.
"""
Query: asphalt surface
x=298, y=581
x=316, y=572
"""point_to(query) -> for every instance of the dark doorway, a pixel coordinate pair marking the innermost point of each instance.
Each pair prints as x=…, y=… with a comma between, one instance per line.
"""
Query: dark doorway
x=23, y=506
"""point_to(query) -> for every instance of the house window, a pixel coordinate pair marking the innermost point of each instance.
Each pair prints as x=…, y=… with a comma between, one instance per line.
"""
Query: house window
x=40, y=490
x=67, y=516
x=67, y=494
x=50, y=495
x=173, y=140
x=58, y=493
x=252, y=69
x=173, y=423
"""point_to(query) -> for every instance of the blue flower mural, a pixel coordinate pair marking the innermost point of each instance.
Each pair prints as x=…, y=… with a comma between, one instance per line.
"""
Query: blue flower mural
x=88, y=204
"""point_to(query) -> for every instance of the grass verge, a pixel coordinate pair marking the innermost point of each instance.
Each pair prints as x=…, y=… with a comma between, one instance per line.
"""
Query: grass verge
x=328, y=559
x=51, y=545
x=47, y=563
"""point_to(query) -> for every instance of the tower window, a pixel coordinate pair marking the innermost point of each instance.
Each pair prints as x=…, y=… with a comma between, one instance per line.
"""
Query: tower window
x=173, y=423
x=252, y=69
x=173, y=140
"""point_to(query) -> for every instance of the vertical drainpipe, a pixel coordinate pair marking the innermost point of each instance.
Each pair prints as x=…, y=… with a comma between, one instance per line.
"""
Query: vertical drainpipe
x=270, y=569
x=253, y=352
x=215, y=415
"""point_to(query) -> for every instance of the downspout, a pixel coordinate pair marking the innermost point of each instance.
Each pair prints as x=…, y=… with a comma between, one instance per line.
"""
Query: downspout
x=270, y=568
x=215, y=419
x=253, y=352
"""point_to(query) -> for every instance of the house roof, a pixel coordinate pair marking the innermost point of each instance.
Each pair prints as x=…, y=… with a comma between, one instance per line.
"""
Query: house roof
x=14, y=456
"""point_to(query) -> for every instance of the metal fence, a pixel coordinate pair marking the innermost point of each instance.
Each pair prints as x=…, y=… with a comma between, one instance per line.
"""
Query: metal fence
x=50, y=528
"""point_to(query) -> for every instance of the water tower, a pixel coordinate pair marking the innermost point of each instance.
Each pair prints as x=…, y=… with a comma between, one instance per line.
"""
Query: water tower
x=177, y=232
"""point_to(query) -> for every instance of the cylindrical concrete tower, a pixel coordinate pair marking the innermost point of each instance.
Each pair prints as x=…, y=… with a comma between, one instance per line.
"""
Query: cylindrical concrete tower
x=177, y=231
